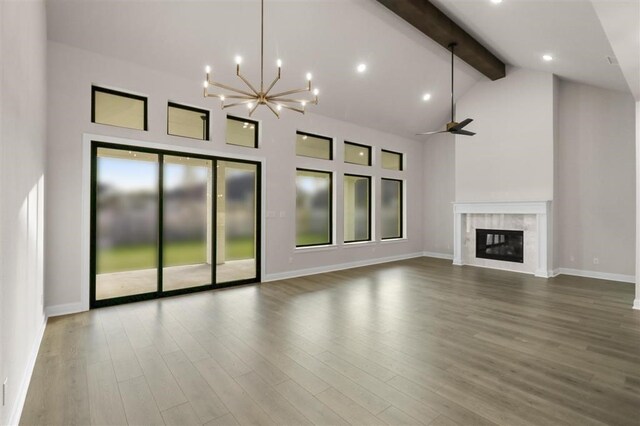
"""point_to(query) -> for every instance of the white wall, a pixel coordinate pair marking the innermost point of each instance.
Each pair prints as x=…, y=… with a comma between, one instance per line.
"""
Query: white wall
x=596, y=173
x=439, y=193
x=71, y=73
x=511, y=157
x=22, y=142
x=636, y=303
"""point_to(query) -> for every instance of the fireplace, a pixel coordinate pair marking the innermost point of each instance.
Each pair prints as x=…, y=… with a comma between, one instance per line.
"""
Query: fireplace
x=531, y=218
x=499, y=244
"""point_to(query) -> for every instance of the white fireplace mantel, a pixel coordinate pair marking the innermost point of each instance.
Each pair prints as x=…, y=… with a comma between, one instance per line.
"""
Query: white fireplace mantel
x=541, y=209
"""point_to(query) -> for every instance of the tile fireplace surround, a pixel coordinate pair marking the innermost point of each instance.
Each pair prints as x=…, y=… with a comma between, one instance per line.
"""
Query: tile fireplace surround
x=532, y=217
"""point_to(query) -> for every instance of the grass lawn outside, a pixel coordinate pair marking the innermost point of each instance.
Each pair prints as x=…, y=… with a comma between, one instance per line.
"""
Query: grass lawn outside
x=131, y=258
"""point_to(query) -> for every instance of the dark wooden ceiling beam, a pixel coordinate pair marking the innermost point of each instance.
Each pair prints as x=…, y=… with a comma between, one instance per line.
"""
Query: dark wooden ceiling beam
x=430, y=20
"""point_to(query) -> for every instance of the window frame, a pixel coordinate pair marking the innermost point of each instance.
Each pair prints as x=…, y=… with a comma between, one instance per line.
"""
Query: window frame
x=367, y=147
x=256, y=136
x=331, y=215
x=401, y=154
x=108, y=91
x=171, y=104
x=401, y=204
x=369, y=206
x=327, y=138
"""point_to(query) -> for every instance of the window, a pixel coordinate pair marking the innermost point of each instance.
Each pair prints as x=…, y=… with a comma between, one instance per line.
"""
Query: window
x=308, y=145
x=313, y=208
x=357, y=154
x=118, y=108
x=391, y=160
x=187, y=121
x=242, y=132
x=357, y=208
x=391, y=209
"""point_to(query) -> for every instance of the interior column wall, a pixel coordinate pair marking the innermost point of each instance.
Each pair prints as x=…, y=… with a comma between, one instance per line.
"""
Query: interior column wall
x=439, y=194
x=636, y=303
x=596, y=174
x=22, y=167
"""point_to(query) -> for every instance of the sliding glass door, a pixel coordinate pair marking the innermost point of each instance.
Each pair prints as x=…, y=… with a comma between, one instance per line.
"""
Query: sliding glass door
x=160, y=218
x=187, y=234
x=126, y=219
x=236, y=221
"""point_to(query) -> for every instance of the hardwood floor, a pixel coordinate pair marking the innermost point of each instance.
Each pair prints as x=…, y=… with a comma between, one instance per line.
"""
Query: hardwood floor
x=411, y=342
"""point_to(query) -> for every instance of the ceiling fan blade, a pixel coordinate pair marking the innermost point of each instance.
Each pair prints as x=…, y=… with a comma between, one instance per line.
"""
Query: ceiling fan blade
x=462, y=132
x=431, y=133
x=462, y=124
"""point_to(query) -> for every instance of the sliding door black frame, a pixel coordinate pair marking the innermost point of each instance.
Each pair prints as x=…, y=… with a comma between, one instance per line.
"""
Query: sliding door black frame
x=160, y=293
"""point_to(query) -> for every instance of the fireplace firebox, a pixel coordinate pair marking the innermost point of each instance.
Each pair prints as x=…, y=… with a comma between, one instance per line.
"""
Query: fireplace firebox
x=499, y=244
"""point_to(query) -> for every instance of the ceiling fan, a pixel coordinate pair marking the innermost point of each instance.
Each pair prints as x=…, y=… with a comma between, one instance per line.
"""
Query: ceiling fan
x=453, y=126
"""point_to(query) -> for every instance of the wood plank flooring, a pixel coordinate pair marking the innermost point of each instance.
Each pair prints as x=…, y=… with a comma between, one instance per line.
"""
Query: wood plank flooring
x=412, y=342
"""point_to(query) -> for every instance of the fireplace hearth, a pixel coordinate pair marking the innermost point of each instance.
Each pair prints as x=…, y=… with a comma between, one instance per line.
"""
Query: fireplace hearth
x=499, y=244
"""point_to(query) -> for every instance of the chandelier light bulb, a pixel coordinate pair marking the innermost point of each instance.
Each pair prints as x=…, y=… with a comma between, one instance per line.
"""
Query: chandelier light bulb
x=316, y=92
x=222, y=98
x=426, y=97
x=362, y=68
x=303, y=103
x=279, y=107
x=207, y=69
x=279, y=63
x=238, y=60
x=206, y=84
x=250, y=105
x=309, y=76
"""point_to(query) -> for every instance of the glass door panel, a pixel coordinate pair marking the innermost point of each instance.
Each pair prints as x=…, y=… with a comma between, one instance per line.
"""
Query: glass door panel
x=187, y=220
x=126, y=223
x=236, y=221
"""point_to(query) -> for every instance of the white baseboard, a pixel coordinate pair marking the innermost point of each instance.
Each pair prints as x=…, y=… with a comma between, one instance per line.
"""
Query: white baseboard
x=594, y=274
x=16, y=413
x=437, y=255
x=69, y=308
x=636, y=304
x=338, y=267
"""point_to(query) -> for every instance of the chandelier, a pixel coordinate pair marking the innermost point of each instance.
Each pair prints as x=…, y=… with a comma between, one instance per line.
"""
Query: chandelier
x=251, y=97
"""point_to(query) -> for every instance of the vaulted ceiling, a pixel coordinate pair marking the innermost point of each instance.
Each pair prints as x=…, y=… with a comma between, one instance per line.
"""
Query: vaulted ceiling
x=330, y=38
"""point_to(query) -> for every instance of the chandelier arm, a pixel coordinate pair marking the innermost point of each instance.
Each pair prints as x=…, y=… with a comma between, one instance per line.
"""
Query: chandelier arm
x=224, y=86
x=272, y=109
x=215, y=95
x=252, y=110
x=240, y=97
x=292, y=92
x=238, y=103
x=301, y=111
x=275, y=80
x=262, y=45
x=295, y=101
x=247, y=82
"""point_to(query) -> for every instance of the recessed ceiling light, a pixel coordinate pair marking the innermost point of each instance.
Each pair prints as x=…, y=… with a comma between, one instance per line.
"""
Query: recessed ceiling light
x=496, y=1
x=362, y=68
x=547, y=58
x=426, y=97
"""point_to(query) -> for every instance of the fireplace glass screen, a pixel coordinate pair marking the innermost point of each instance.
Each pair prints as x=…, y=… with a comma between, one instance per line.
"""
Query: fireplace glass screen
x=499, y=244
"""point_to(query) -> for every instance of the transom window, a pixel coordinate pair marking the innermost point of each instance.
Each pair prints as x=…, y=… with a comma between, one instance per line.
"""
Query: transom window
x=188, y=122
x=391, y=160
x=120, y=109
x=357, y=154
x=308, y=145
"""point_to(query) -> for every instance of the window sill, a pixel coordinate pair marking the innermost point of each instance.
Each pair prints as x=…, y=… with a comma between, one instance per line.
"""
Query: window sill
x=394, y=240
x=359, y=243
x=323, y=247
